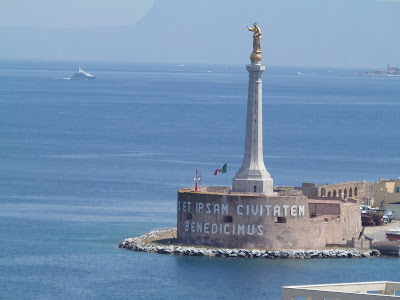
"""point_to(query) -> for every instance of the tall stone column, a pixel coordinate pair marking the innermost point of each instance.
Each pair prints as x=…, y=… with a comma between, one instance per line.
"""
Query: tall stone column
x=253, y=177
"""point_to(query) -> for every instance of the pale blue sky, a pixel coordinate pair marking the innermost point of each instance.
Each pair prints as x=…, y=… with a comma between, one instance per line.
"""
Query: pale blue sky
x=295, y=32
x=72, y=13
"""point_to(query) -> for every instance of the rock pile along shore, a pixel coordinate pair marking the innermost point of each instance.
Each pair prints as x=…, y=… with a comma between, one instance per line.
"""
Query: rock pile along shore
x=140, y=244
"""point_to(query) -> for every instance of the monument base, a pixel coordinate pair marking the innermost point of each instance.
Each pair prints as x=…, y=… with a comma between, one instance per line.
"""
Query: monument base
x=260, y=186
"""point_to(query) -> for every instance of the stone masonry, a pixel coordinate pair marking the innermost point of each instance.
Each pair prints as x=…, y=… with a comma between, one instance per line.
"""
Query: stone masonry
x=253, y=177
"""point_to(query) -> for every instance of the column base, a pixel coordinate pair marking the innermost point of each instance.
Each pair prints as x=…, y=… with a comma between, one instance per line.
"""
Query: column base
x=258, y=186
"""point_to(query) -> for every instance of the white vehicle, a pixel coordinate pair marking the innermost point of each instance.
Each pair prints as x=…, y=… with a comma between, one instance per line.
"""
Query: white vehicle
x=386, y=219
x=365, y=209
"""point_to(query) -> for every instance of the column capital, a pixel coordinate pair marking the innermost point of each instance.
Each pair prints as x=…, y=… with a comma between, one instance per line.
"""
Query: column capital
x=255, y=68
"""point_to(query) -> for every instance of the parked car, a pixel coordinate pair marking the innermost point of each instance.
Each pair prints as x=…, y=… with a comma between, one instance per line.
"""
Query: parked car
x=365, y=209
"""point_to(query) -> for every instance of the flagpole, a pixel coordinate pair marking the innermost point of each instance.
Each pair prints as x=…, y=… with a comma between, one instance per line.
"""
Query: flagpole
x=222, y=170
x=226, y=178
x=195, y=188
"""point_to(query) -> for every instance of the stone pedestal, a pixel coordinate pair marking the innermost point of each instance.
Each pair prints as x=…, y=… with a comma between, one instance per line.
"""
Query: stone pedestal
x=253, y=177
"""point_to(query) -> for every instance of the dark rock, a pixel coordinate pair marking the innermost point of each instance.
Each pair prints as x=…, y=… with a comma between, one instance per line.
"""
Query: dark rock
x=242, y=254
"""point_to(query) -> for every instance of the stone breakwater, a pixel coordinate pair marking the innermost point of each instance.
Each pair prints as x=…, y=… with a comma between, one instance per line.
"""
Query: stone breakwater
x=142, y=244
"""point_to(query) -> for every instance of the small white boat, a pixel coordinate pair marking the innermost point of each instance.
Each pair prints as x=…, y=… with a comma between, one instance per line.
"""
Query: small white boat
x=82, y=75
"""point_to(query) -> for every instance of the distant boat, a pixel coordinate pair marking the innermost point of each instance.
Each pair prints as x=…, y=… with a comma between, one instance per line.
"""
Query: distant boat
x=82, y=75
x=306, y=74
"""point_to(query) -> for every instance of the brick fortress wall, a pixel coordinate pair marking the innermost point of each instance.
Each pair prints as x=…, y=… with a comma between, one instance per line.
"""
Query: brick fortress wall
x=211, y=217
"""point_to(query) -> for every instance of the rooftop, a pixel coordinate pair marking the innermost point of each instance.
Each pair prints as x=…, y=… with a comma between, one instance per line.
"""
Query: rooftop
x=343, y=291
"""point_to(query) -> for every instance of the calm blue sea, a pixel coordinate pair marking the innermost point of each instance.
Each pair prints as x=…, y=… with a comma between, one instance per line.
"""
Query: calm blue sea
x=86, y=164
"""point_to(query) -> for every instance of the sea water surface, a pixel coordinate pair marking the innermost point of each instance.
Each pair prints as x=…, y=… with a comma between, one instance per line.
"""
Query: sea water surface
x=86, y=164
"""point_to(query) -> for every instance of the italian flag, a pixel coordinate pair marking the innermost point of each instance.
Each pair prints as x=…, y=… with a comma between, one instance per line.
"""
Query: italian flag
x=221, y=170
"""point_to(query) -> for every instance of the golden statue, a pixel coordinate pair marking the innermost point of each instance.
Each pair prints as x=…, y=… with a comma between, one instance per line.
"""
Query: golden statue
x=256, y=54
